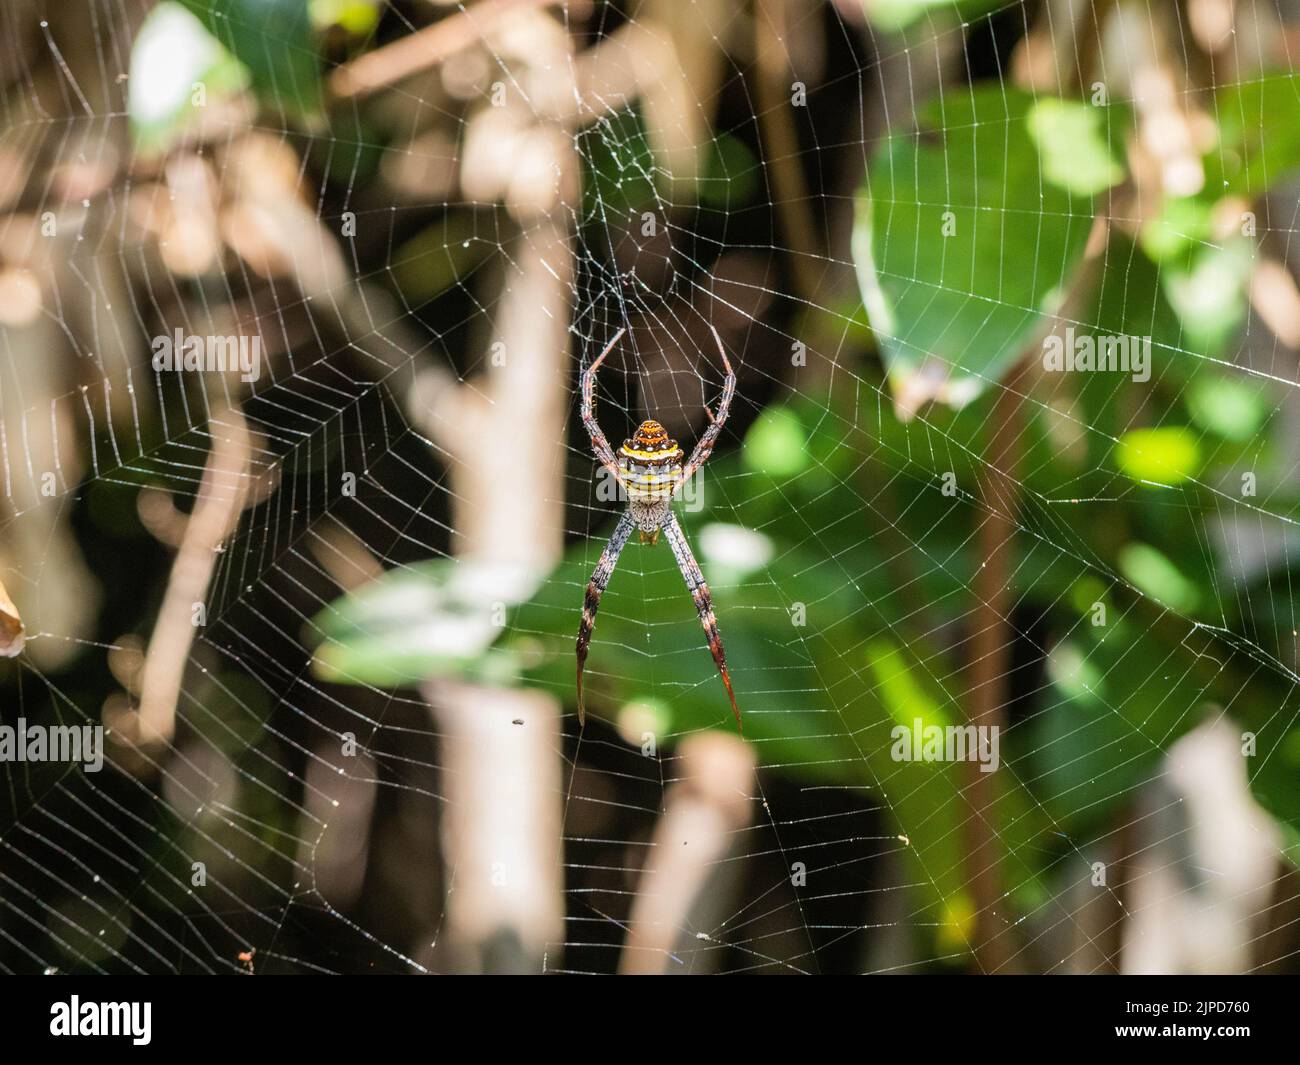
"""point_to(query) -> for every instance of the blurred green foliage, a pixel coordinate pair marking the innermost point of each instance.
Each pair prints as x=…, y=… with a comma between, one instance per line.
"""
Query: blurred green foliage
x=969, y=231
x=274, y=40
x=970, y=234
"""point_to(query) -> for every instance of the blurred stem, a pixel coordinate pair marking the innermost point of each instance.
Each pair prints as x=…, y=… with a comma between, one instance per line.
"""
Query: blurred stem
x=1059, y=53
x=221, y=497
x=683, y=896
x=990, y=672
x=506, y=905
x=1279, y=940
x=425, y=48
x=1276, y=299
x=1096, y=918
x=781, y=148
x=502, y=828
x=502, y=837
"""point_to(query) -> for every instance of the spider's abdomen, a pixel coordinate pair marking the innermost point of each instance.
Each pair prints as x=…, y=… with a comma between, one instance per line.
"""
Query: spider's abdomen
x=651, y=463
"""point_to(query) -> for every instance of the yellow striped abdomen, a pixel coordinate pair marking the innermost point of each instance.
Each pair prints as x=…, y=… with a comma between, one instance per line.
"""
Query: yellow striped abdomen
x=646, y=483
x=651, y=463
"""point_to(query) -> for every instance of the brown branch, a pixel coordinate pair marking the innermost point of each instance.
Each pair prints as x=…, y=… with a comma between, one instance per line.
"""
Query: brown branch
x=781, y=141
x=1276, y=299
x=705, y=808
x=221, y=497
x=348, y=561
x=423, y=49
x=503, y=832
x=502, y=829
x=990, y=674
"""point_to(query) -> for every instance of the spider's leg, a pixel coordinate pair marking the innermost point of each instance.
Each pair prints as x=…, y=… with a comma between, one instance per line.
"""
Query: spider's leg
x=704, y=447
x=599, y=444
x=703, y=602
x=595, y=588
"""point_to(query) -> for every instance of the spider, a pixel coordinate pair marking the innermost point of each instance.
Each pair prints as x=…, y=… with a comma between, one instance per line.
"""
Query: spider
x=649, y=467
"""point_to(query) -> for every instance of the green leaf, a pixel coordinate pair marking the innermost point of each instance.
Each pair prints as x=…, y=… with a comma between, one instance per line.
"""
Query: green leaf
x=963, y=243
x=441, y=256
x=775, y=444
x=730, y=179
x=1258, y=144
x=619, y=173
x=1168, y=455
x=1229, y=406
x=1072, y=142
x=1259, y=135
x=1153, y=574
x=171, y=54
x=903, y=696
x=357, y=17
x=1183, y=224
x=1208, y=293
x=275, y=41
x=435, y=618
x=1119, y=698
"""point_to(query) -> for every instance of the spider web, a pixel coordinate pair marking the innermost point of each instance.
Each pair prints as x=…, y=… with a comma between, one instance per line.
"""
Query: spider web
x=415, y=268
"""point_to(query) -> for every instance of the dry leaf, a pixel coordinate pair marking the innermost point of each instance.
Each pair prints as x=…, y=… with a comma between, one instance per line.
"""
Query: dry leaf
x=12, y=636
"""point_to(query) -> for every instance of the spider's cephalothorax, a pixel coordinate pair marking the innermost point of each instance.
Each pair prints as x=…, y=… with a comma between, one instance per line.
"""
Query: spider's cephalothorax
x=649, y=468
x=650, y=464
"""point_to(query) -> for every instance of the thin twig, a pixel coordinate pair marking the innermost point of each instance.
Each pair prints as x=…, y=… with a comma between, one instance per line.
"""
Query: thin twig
x=423, y=49
x=781, y=141
x=705, y=808
x=990, y=672
x=221, y=497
